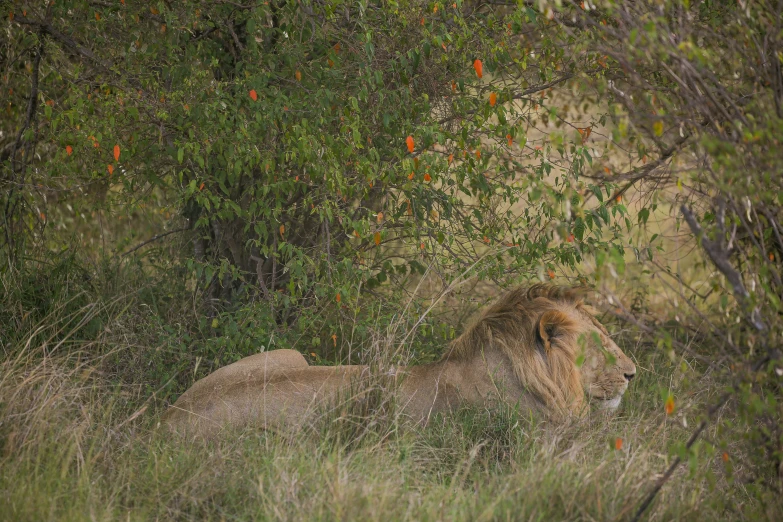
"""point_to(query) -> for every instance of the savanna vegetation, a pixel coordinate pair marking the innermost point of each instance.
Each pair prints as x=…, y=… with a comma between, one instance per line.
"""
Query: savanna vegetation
x=185, y=184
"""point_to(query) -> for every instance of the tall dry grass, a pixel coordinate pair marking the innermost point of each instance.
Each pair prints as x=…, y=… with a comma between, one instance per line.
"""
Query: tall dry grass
x=78, y=446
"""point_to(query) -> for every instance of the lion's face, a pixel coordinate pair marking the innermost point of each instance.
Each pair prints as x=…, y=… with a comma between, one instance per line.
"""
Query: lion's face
x=606, y=370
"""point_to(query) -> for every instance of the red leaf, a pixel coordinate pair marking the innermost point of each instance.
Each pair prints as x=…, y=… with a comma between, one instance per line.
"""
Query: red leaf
x=479, y=68
x=669, y=407
x=68, y=149
x=427, y=177
x=253, y=94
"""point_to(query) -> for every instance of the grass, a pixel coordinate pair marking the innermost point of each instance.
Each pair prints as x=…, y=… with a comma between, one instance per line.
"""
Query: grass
x=75, y=445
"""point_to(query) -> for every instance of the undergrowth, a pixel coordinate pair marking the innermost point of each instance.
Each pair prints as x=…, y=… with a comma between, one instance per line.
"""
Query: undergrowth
x=79, y=439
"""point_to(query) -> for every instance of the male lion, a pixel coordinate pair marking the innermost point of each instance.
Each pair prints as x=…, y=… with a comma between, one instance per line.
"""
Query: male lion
x=538, y=348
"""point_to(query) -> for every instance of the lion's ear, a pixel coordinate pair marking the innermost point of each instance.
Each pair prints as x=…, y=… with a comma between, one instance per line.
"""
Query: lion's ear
x=551, y=324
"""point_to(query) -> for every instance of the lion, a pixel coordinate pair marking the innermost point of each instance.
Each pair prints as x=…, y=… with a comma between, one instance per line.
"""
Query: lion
x=539, y=348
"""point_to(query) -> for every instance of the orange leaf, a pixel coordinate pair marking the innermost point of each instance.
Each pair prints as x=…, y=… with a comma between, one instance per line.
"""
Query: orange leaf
x=510, y=139
x=330, y=63
x=356, y=233
x=669, y=405
x=585, y=133
x=570, y=238
x=253, y=94
x=453, y=87
x=725, y=457
x=618, y=443
x=551, y=274
x=377, y=238
x=478, y=154
x=493, y=99
x=43, y=216
x=162, y=28
x=68, y=149
x=337, y=47
x=451, y=158
x=619, y=199
x=338, y=298
x=98, y=16
x=116, y=153
x=154, y=10
x=410, y=176
x=427, y=177
x=606, y=169
x=201, y=187
x=334, y=340
x=771, y=256
x=422, y=246
x=479, y=68
x=110, y=168
x=409, y=143
x=50, y=103
x=298, y=76
x=282, y=230
x=380, y=217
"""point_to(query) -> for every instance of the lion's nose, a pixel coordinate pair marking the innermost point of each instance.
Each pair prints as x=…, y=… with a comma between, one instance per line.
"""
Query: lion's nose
x=629, y=376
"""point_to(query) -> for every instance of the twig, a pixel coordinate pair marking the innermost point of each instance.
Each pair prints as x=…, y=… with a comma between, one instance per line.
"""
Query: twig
x=67, y=41
x=694, y=437
x=154, y=238
x=719, y=255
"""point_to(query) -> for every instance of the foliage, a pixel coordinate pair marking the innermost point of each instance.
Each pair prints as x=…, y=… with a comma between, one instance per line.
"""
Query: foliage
x=323, y=171
x=314, y=150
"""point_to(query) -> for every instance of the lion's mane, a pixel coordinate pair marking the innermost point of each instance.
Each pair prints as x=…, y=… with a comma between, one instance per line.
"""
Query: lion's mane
x=547, y=369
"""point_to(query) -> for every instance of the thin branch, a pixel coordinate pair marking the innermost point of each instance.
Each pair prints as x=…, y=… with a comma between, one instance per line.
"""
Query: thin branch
x=154, y=238
x=691, y=441
x=72, y=44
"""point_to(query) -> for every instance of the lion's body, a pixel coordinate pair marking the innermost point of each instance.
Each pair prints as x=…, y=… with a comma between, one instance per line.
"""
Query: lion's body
x=522, y=350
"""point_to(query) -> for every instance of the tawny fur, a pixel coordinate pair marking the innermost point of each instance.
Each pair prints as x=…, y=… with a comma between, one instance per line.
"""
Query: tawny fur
x=522, y=350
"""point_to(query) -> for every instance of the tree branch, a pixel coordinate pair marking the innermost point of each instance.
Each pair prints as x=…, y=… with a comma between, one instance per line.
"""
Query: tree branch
x=154, y=238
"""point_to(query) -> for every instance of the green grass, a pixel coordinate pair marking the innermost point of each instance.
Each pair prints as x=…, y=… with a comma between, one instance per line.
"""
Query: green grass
x=70, y=452
x=81, y=393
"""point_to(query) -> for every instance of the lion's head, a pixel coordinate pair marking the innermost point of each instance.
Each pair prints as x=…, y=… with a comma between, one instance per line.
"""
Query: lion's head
x=558, y=349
